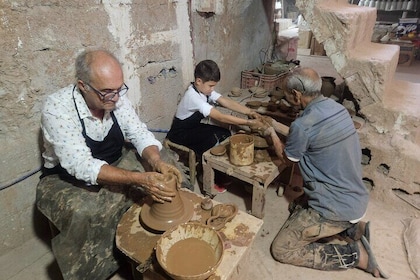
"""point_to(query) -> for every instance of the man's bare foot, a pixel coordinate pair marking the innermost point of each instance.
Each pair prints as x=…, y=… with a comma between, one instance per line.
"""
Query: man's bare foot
x=367, y=260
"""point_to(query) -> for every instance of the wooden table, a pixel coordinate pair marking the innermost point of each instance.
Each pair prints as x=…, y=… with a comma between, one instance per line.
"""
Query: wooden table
x=258, y=174
x=138, y=244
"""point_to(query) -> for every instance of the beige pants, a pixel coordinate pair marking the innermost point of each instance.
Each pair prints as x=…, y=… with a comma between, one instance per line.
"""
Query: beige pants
x=301, y=242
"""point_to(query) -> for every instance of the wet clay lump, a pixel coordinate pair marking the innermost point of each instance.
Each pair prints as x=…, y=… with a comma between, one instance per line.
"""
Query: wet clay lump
x=162, y=216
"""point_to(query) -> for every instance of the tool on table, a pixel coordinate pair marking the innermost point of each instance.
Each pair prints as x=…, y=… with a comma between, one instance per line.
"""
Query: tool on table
x=222, y=214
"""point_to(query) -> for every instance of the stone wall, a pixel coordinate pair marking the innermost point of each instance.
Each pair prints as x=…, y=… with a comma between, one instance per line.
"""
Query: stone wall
x=216, y=36
x=157, y=41
x=391, y=134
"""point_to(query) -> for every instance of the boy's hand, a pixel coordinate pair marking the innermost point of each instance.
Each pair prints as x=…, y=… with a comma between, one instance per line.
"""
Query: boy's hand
x=257, y=126
x=255, y=115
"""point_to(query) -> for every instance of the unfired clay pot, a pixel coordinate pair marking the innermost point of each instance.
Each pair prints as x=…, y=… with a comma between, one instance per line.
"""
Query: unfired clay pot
x=162, y=216
x=241, y=149
x=328, y=86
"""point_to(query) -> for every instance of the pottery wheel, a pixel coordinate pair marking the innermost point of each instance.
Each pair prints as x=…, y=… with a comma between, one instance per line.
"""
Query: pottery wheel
x=163, y=225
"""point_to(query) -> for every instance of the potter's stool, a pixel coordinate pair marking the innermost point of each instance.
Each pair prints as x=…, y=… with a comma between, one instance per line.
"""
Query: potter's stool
x=192, y=163
x=258, y=174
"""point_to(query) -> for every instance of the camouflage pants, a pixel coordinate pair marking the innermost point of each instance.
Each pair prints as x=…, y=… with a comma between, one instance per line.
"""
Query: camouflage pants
x=87, y=218
x=301, y=242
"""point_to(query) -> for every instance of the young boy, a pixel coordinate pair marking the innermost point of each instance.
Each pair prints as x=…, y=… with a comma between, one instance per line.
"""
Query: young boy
x=187, y=129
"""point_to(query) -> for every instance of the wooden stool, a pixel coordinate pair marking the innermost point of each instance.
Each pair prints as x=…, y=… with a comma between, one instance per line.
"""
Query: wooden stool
x=192, y=162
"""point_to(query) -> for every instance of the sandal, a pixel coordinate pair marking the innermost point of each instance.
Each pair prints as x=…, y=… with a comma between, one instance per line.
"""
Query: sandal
x=372, y=264
x=362, y=228
x=367, y=231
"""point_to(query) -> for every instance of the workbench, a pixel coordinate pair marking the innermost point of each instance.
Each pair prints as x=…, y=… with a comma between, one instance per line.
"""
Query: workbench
x=138, y=244
x=258, y=174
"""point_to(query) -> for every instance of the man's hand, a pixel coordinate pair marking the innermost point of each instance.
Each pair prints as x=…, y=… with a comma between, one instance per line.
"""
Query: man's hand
x=269, y=132
x=154, y=185
x=257, y=126
x=165, y=168
x=255, y=115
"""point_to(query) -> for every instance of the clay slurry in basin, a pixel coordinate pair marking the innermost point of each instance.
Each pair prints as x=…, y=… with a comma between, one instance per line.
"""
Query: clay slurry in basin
x=162, y=216
x=190, y=256
x=190, y=251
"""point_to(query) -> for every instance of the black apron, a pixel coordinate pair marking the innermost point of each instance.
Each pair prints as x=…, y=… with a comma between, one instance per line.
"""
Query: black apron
x=196, y=135
x=86, y=216
x=109, y=149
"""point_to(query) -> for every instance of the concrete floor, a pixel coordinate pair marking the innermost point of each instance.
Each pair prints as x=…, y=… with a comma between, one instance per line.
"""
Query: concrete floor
x=34, y=260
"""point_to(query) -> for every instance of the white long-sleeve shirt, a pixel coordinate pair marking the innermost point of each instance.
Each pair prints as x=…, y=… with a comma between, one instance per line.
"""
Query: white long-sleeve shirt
x=63, y=140
x=192, y=101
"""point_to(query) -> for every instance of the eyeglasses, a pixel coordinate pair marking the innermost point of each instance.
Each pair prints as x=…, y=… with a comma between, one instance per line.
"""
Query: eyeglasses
x=108, y=94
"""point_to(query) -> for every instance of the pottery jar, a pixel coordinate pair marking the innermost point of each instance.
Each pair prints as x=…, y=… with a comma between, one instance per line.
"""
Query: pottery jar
x=241, y=149
x=328, y=86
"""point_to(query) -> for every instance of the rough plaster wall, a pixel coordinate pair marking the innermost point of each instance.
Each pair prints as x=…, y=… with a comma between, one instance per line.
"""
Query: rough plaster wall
x=158, y=52
x=40, y=40
x=237, y=37
x=392, y=130
x=345, y=31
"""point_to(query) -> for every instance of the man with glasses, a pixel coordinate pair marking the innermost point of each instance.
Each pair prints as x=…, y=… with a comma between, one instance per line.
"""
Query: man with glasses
x=324, y=143
x=88, y=180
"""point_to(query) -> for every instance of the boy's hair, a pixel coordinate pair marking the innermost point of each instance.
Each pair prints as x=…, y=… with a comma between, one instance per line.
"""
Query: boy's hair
x=207, y=70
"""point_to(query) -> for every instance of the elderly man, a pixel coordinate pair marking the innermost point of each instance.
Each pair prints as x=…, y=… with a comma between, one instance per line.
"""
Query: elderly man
x=325, y=145
x=88, y=177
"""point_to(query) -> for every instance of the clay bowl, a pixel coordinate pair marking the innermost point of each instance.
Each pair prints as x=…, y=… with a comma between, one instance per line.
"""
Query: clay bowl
x=272, y=107
x=261, y=95
x=260, y=142
x=258, y=92
x=283, y=106
x=235, y=91
x=190, y=251
x=219, y=150
x=253, y=104
x=253, y=89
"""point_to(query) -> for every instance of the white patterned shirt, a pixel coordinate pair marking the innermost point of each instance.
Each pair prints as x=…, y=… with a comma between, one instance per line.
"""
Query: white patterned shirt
x=63, y=140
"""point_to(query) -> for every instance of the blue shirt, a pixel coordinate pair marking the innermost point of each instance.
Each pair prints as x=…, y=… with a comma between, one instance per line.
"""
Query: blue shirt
x=324, y=141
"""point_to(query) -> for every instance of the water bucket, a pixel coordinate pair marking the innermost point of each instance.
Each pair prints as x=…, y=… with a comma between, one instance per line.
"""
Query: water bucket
x=241, y=149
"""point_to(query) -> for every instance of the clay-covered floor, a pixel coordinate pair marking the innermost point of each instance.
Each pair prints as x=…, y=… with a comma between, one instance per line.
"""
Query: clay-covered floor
x=386, y=240
x=35, y=261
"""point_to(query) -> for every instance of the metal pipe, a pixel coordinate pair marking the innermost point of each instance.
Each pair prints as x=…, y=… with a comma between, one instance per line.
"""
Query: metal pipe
x=20, y=179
